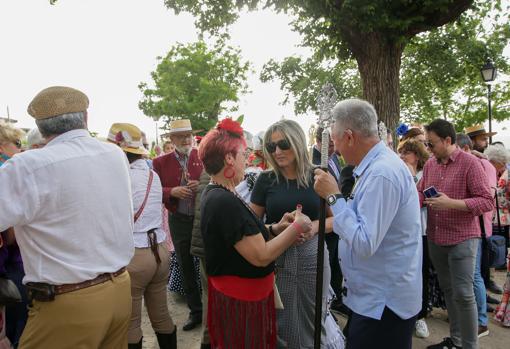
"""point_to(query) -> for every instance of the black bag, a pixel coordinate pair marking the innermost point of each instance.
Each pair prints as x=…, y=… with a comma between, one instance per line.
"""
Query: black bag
x=9, y=293
x=494, y=247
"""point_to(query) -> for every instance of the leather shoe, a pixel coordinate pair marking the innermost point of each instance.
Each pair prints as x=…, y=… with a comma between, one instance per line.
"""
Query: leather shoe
x=492, y=300
x=192, y=322
x=494, y=288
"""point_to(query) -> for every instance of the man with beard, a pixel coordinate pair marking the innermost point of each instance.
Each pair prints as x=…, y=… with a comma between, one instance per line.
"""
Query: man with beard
x=179, y=172
x=479, y=137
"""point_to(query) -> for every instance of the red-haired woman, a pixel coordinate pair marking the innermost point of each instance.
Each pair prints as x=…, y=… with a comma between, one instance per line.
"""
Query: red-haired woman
x=239, y=257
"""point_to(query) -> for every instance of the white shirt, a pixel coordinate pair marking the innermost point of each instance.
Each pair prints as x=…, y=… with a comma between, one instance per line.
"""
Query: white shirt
x=151, y=216
x=70, y=205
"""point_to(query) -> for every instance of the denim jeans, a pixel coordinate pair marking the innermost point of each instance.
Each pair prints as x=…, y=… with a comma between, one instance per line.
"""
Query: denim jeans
x=479, y=288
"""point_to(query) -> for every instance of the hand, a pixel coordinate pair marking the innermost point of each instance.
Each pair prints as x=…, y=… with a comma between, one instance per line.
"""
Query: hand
x=302, y=225
x=181, y=193
x=440, y=202
x=325, y=184
x=193, y=185
x=286, y=220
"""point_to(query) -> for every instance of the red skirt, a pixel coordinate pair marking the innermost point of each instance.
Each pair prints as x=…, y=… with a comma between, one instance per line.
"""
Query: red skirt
x=241, y=312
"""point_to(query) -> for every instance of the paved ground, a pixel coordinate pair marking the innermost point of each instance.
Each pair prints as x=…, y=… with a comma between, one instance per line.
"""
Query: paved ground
x=499, y=337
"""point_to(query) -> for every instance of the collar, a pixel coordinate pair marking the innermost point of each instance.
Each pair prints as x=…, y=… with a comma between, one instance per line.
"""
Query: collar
x=368, y=159
x=179, y=156
x=68, y=136
x=139, y=164
x=453, y=156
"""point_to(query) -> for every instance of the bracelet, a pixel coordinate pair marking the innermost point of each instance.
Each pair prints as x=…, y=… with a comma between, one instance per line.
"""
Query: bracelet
x=271, y=232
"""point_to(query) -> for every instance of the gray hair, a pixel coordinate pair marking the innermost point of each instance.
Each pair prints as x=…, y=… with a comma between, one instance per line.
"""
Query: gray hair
x=296, y=137
x=60, y=124
x=463, y=140
x=497, y=153
x=34, y=137
x=357, y=115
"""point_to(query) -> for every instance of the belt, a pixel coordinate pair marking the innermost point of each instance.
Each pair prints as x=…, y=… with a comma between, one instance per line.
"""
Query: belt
x=89, y=283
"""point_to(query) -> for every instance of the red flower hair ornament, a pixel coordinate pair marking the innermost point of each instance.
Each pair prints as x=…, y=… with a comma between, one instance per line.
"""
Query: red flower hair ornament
x=230, y=126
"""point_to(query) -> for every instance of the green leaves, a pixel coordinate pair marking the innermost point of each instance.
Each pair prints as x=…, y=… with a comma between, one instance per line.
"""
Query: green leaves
x=195, y=82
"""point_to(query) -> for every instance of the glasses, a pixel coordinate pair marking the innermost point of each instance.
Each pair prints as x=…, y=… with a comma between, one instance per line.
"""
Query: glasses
x=283, y=144
x=18, y=144
x=429, y=145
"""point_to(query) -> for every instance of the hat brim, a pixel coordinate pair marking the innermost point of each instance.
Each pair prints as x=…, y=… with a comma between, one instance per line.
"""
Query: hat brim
x=481, y=133
x=138, y=151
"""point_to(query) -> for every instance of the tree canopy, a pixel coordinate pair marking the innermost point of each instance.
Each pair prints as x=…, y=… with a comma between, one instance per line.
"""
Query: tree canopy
x=195, y=82
x=373, y=32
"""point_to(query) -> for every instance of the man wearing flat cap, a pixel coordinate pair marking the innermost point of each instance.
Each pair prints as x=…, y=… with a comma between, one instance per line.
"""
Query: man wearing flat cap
x=71, y=208
x=479, y=137
x=179, y=172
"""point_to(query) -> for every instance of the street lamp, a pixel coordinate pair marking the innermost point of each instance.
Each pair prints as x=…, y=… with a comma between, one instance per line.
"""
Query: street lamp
x=489, y=73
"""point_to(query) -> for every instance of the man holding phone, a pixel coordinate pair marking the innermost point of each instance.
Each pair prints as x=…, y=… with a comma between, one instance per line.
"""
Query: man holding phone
x=453, y=228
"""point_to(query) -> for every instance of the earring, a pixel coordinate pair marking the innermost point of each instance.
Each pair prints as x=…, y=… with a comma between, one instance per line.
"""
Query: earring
x=229, y=172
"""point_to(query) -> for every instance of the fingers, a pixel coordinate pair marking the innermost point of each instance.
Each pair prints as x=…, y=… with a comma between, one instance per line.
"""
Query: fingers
x=299, y=209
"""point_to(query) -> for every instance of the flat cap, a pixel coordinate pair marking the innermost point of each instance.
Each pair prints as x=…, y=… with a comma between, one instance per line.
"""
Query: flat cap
x=57, y=100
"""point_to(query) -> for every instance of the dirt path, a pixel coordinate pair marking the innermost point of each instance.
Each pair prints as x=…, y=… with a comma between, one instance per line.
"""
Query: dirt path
x=499, y=337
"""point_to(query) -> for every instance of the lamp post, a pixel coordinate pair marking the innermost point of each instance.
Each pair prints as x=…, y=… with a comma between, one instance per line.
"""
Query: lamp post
x=489, y=73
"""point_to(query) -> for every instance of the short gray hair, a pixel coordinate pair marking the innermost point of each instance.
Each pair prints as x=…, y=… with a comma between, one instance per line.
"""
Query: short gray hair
x=357, y=115
x=497, y=153
x=34, y=137
x=463, y=140
x=60, y=124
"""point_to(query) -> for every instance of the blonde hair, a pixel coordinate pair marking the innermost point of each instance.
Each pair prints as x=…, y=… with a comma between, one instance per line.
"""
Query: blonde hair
x=9, y=134
x=297, y=140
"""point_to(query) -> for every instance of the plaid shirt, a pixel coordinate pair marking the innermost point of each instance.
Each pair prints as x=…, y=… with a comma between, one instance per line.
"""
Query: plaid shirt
x=461, y=178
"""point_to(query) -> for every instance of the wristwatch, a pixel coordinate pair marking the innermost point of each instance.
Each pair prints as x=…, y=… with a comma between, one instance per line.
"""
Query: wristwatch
x=331, y=199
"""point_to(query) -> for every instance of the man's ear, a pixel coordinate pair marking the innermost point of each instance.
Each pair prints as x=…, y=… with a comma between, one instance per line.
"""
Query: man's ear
x=86, y=118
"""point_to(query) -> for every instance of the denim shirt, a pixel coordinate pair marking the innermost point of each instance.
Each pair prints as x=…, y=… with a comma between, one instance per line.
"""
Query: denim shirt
x=380, y=247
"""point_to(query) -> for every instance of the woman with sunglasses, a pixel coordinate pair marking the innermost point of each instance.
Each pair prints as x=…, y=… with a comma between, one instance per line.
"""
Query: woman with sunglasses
x=10, y=141
x=239, y=257
x=279, y=190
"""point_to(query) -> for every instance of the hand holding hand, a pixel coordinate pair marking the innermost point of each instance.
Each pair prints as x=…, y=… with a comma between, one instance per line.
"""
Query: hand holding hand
x=302, y=225
x=193, y=185
x=181, y=193
x=286, y=220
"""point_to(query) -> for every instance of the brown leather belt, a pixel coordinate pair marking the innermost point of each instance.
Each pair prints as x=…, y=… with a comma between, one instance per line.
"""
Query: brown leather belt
x=89, y=283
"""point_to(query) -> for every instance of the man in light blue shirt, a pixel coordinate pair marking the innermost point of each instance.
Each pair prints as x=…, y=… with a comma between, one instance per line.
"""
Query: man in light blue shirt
x=380, y=235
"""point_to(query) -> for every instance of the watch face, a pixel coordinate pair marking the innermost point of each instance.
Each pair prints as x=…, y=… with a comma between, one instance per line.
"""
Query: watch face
x=331, y=199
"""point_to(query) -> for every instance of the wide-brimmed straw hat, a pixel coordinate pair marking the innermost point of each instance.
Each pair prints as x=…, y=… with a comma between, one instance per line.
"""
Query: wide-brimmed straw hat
x=128, y=137
x=478, y=130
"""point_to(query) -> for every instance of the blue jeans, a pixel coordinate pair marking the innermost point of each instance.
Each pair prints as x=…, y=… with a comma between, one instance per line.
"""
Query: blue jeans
x=479, y=289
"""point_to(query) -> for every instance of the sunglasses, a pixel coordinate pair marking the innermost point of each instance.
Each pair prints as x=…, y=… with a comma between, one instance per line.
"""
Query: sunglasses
x=283, y=144
x=18, y=144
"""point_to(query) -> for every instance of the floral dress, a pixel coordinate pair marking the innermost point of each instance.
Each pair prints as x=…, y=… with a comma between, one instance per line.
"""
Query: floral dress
x=503, y=193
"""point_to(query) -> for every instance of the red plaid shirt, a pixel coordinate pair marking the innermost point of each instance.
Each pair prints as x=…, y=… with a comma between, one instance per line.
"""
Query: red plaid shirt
x=461, y=178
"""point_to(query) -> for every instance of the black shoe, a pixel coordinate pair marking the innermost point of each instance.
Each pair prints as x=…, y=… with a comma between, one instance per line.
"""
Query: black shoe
x=494, y=288
x=192, y=322
x=445, y=344
x=205, y=346
x=167, y=340
x=492, y=300
x=136, y=345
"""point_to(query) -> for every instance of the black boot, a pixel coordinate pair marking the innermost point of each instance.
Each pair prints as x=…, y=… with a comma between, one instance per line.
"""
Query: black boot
x=205, y=346
x=167, y=340
x=136, y=345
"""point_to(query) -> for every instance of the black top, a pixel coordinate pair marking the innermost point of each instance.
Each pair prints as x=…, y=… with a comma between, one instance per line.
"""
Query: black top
x=225, y=220
x=283, y=196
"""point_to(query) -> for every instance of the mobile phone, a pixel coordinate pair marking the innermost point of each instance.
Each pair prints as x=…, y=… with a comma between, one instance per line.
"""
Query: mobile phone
x=431, y=192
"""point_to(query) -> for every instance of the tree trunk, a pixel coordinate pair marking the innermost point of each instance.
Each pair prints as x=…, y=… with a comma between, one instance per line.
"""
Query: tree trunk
x=379, y=67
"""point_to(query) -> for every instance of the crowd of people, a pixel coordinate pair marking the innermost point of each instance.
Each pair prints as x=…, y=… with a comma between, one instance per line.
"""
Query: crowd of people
x=92, y=229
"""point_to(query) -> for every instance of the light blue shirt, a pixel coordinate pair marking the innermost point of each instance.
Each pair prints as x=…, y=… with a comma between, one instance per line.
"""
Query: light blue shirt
x=380, y=248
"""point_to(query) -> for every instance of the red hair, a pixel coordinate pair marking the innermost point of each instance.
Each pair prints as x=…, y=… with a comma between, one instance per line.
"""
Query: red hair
x=219, y=142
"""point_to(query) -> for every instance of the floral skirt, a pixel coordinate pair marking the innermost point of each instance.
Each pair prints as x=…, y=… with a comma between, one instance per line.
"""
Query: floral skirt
x=503, y=310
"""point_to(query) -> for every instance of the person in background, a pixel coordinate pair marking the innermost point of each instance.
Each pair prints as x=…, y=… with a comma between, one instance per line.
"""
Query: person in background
x=168, y=147
x=74, y=228
x=379, y=228
x=255, y=164
x=35, y=140
x=179, y=172
x=239, y=253
x=415, y=155
x=481, y=297
x=10, y=141
x=4, y=341
x=149, y=267
x=479, y=137
x=453, y=227
x=288, y=183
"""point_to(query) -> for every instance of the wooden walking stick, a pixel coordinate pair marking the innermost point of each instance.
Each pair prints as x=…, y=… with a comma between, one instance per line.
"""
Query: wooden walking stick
x=325, y=104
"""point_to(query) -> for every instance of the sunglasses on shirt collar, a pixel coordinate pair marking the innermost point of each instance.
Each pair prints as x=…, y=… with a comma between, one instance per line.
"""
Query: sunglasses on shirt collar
x=283, y=144
x=18, y=144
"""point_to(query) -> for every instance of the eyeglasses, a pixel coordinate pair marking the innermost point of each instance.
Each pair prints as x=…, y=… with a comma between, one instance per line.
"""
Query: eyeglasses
x=283, y=144
x=18, y=144
x=429, y=145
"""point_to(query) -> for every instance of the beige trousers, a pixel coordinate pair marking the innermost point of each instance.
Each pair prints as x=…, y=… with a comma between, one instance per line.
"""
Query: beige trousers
x=148, y=281
x=93, y=317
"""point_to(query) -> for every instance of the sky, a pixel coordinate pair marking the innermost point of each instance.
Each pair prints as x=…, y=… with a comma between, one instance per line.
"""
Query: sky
x=106, y=48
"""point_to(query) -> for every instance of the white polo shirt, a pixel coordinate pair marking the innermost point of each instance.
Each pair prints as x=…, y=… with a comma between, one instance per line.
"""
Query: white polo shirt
x=71, y=207
x=151, y=216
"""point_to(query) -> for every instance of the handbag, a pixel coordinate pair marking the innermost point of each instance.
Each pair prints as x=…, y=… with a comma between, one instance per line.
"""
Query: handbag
x=494, y=247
